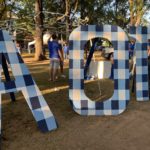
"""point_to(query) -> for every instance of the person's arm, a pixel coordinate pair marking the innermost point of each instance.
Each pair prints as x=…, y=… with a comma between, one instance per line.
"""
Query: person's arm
x=62, y=52
x=60, y=55
x=49, y=39
x=148, y=51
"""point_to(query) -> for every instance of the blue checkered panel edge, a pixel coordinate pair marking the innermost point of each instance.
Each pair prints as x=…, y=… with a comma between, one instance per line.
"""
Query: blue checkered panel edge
x=140, y=34
x=24, y=82
x=80, y=102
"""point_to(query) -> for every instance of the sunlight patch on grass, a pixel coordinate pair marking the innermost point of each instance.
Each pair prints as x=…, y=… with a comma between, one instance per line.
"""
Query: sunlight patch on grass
x=51, y=90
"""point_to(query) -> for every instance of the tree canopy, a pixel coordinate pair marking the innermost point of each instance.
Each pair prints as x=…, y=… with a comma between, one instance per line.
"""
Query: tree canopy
x=62, y=16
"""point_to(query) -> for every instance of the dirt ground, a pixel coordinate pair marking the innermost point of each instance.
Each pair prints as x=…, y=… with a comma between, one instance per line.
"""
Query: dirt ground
x=128, y=131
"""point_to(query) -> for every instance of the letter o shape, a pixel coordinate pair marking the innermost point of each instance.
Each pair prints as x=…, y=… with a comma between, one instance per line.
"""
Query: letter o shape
x=79, y=101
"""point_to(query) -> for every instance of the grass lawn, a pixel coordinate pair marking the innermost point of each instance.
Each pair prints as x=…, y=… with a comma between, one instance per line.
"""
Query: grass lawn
x=127, y=131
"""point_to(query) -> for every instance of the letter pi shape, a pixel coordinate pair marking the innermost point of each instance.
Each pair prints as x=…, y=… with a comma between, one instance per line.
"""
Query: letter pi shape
x=24, y=82
x=80, y=102
x=141, y=35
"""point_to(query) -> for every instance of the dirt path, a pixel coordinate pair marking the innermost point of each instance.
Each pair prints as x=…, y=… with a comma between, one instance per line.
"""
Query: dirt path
x=128, y=131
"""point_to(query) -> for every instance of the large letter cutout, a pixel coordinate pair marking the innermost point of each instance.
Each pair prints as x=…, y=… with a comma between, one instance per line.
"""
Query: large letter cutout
x=141, y=36
x=81, y=103
x=24, y=82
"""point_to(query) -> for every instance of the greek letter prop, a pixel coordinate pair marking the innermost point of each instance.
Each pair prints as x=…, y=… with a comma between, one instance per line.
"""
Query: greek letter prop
x=80, y=102
x=23, y=82
x=140, y=34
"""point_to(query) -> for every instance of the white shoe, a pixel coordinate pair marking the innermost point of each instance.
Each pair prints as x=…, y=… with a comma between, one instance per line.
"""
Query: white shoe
x=63, y=76
x=56, y=89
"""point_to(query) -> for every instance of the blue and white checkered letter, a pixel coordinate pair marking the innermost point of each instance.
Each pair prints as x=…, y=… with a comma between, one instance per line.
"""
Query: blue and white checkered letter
x=24, y=82
x=80, y=102
x=141, y=36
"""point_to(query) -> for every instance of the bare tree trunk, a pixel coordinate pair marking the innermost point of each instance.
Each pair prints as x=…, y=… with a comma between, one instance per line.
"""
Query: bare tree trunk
x=39, y=33
x=140, y=12
x=67, y=19
x=82, y=8
x=136, y=11
x=2, y=8
x=131, y=3
x=68, y=28
x=116, y=11
x=67, y=16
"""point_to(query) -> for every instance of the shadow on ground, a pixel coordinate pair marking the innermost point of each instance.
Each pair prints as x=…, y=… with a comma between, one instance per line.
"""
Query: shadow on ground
x=128, y=131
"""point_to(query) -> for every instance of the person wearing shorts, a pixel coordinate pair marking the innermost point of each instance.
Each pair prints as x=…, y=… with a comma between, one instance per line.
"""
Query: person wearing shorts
x=55, y=56
x=66, y=50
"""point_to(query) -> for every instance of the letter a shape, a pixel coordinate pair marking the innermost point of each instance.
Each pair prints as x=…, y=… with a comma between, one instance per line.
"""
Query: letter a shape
x=23, y=82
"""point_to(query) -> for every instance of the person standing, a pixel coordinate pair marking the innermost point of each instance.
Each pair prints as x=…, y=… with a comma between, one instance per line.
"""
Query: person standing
x=131, y=48
x=18, y=47
x=55, y=56
x=66, y=50
x=132, y=57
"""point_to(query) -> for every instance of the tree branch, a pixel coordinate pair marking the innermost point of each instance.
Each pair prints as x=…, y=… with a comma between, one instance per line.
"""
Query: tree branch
x=75, y=8
x=3, y=10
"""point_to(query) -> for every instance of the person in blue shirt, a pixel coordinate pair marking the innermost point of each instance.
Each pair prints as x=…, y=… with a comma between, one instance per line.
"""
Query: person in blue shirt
x=131, y=48
x=132, y=57
x=55, y=56
x=66, y=50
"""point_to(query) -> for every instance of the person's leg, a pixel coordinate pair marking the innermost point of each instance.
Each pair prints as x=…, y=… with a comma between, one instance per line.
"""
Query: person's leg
x=51, y=70
x=130, y=64
x=55, y=68
x=29, y=49
x=61, y=67
x=66, y=56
